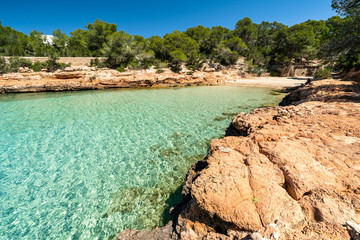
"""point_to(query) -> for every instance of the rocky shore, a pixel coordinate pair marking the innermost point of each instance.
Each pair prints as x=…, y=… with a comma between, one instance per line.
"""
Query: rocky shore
x=289, y=172
x=87, y=78
x=91, y=78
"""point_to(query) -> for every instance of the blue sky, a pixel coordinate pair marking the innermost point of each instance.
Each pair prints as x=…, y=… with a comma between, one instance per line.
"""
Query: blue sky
x=148, y=18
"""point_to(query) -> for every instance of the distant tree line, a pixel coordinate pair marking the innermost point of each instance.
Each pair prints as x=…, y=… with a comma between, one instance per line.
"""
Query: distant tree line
x=336, y=40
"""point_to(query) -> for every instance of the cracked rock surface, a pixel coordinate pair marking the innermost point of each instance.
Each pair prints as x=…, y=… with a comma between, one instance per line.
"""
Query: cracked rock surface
x=289, y=172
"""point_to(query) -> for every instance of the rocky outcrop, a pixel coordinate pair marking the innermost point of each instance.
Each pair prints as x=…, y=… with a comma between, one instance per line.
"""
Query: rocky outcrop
x=290, y=172
x=91, y=78
x=304, y=68
x=84, y=78
x=353, y=75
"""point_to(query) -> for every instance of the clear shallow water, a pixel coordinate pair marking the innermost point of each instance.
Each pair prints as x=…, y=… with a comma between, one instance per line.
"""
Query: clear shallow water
x=86, y=165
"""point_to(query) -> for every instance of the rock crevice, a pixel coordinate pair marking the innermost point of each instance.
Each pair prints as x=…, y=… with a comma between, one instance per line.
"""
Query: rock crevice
x=290, y=172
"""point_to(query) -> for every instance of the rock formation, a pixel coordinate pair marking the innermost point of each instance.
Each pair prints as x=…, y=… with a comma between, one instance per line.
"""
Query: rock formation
x=86, y=78
x=290, y=172
x=91, y=78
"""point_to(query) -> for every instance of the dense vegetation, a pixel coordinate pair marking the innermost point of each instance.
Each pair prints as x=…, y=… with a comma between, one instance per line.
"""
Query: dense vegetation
x=336, y=40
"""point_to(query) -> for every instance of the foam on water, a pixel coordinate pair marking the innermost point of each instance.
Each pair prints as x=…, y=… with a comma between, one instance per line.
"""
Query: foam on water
x=86, y=165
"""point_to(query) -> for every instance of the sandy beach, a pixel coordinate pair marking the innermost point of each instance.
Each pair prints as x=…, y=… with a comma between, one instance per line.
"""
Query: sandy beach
x=270, y=82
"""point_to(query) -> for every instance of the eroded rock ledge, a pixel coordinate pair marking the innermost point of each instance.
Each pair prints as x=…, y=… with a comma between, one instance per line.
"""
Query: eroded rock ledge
x=289, y=172
x=86, y=78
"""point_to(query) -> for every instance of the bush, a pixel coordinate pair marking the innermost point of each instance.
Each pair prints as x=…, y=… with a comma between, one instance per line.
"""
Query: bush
x=257, y=70
x=15, y=63
x=225, y=56
x=134, y=65
x=52, y=64
x=195, y=61
x=159, y=71
x=121, y=69
x=275, y=74
x=3, y=66
x=322, y=73
x=62, y=66
x=38, y=66
x=97, y=63
x=177, y=58
x=92, y=78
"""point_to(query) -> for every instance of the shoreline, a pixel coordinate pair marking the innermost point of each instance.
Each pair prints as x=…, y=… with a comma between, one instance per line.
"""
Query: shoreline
x=269, y=82
x=288, y=171
x=91, y=79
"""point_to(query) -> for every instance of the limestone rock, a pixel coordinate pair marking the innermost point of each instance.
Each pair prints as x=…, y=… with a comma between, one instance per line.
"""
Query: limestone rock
x=68, y=75
x=287, y=173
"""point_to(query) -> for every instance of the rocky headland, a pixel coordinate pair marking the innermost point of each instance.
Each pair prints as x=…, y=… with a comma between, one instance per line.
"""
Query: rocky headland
x=289, y=172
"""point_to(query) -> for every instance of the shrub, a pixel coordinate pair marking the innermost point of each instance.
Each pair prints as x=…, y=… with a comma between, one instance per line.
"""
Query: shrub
x=121, y=69
x=62, y=66
x=195, y=61
x=94, y=62
x=177, y=58
x=15, y=63
x=159, y=71
x=275, y=74
x=134, y=65
x=322, y=73
x=257, y=70
x=159, y=65
x=97, y=63
x=3, y=66
x=92, y=78
x=225, y=56
x=52, y=64
x=38, y=66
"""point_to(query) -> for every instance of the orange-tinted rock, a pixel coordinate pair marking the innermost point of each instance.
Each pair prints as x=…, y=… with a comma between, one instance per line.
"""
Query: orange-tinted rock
x=68, y=75
x=299, y=166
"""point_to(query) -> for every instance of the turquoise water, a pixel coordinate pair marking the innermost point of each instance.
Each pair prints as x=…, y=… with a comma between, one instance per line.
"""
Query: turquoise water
x=86, y=165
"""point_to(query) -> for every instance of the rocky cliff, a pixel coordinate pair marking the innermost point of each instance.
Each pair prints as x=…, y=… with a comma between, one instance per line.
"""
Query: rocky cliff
x=290, y=172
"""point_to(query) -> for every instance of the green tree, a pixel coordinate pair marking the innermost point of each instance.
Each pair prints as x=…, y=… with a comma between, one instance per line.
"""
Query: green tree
x=177, y=58
x=217, y=36
x=246, y=30
x=78, y=44
x=195, y=61
x=201, y=35
x=343, y=43
x=97, y=34
x=118, y=50
x=236, y=44
x=143, y=56
x=345, y=7
x=179, y=41
x=12, y=43
x=156, y=44
x=36, y=44
x=224, y=55
x=301, y=42
x=60, y=43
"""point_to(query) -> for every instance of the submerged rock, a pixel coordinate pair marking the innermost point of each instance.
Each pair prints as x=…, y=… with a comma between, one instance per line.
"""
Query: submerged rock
x=289, y=172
